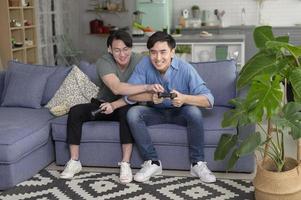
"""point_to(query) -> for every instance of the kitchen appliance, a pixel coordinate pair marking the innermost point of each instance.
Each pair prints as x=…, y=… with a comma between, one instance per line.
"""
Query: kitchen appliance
x=137, y=19
x=158, y=13
x=95, y=26
x=185, y=13
x=208, y=18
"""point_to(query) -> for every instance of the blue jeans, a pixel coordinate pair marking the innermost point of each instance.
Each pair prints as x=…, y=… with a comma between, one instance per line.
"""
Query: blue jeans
x=139, y=117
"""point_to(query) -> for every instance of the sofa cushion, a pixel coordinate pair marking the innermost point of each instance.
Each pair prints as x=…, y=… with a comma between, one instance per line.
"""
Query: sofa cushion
x=34, y=70
x=25, y=89
x=54, y=82
x=90, y=71
x=22, y=130
x=223, y=85
x=76, y=89
x=2, y=76
x=164, y=134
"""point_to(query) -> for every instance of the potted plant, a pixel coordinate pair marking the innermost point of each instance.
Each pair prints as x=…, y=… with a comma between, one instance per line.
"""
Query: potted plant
x=265, y=77
x=183, y=51
x=195, y=11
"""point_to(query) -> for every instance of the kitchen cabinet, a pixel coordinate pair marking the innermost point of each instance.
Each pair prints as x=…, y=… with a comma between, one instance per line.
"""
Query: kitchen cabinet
x=204, y=48
x=18, y=31
x=250, y=49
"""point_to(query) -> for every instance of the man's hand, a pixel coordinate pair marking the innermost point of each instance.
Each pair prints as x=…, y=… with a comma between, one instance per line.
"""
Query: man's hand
x=107, y=108
x=156, y=99
x=179, y=100
x=154, y=88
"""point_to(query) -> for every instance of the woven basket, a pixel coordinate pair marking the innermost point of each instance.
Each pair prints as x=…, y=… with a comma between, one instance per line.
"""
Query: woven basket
x=271, y=185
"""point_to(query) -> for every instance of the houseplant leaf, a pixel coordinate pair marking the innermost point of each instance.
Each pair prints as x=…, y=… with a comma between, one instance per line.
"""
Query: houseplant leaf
x=236, y=116
x=266, y=93
x=290, y=117
x=262, y=35
x=295, y=80
x=284, y=38
x=258, y=64
x=249, y=144
x=225, y=144
x=293, y=50
x=233, y=159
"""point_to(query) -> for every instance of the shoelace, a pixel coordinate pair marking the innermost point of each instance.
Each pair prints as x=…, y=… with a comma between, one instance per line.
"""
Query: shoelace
x=204, y=168
x=124, y=168
x=146, y=163
x=145, y=166
x=67, y=166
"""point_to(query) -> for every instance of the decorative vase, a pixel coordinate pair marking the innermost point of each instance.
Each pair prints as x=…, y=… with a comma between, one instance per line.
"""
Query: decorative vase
x=272, y=185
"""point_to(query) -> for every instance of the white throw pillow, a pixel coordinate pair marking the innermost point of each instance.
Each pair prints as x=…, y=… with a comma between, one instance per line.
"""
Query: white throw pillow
x=75, y=89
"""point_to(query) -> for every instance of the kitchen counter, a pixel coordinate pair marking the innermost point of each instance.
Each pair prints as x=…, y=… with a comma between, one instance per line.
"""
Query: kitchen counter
x=200, y=48
x=236, y=29
x=216, y=38
x=294, y=33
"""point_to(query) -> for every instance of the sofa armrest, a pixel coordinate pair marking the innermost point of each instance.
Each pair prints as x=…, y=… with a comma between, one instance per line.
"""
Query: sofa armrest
x=2, y=75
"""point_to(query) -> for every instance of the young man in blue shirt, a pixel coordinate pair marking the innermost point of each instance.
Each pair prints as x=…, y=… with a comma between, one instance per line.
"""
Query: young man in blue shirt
x=189, y=95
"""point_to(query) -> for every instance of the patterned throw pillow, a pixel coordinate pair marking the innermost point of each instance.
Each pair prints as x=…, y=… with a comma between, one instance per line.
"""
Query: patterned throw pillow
x=75, y=89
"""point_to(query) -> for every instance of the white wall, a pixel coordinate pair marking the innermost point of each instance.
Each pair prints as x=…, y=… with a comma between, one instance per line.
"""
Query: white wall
x=92, y=45
x=274, y=12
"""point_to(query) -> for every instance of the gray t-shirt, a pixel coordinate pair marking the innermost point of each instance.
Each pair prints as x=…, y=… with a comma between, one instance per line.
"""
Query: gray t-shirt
x=106, y=64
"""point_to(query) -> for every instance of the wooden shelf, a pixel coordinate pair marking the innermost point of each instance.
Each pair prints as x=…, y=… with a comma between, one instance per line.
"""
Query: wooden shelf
x=19, y=13
x=18, y=48
x=28, y=7
x=16, y=28
x=14, y=8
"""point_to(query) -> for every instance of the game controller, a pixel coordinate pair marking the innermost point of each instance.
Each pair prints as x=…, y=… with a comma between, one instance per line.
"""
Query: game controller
x=99, y=110
x=95, y=112
x=167, y=95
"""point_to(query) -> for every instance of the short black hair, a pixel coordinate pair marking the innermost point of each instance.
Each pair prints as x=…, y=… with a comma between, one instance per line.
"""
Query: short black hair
x=120, y=35
x=161, y=36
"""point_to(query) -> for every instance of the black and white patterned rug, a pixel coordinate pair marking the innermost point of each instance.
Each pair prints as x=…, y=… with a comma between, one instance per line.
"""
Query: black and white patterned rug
x=91, y=185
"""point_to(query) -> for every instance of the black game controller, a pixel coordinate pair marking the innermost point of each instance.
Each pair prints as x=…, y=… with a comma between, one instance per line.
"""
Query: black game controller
x=99, y=110
x=167, y=95
x=95, y=112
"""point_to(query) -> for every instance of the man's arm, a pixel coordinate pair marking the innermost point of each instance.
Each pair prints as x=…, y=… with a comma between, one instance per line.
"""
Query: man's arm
x=121, y=88
x=195, y=100
x=109, y=107
x=142, y=97
x=200, y=100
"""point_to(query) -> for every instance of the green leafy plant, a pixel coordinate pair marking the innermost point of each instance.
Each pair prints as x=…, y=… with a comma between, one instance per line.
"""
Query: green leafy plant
x=195, y=7
x=265, y=77
x=183, y=49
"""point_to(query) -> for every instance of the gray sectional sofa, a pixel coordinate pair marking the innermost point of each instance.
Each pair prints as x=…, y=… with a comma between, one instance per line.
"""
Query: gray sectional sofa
x=31, y=138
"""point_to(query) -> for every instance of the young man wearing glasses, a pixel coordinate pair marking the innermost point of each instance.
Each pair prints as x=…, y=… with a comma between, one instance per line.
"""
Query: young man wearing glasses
x=114, y=69
x=186, y=92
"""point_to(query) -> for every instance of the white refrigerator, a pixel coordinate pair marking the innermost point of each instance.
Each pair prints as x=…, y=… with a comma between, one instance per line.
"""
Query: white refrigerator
x=158, y=13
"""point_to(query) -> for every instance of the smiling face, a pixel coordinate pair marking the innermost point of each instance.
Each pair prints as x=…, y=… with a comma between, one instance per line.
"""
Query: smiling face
x=161, y=55
x=120, y=52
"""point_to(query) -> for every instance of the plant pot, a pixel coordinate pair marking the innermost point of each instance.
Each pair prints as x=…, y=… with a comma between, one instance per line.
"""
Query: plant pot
x=272, y=185
x=196, y=13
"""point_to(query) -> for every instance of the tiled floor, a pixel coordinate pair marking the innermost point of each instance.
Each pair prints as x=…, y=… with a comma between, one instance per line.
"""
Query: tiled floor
x=244, y=176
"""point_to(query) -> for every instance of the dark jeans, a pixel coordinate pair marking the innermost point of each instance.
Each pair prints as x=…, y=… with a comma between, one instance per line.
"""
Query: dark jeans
x=82, y=113
x=139, y=117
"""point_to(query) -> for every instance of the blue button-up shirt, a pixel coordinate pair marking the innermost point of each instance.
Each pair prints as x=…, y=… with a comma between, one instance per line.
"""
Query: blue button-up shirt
x=180, y=76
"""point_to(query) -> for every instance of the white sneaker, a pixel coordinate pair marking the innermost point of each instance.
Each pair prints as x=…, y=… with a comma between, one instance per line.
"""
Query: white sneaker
x=201, y=170
x=126, y=175
x=148, y=170
x=72, y=168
